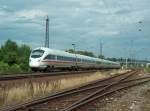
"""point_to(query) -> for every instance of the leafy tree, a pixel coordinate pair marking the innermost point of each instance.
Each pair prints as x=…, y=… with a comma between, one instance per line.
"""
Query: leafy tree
x=3, y=67
x=86, y=53
x=1, y=55
x=10, y=58
x=24, y=53
x=101, y=57
x=15, y=68
x=9, y=52
x=70, y=51
x=14, y=57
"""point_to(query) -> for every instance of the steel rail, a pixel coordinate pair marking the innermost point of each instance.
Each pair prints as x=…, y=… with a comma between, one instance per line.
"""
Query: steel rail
x=94, y=96
x=71, y=108
x=37, y=75
x=97, y=92
x=63, y=93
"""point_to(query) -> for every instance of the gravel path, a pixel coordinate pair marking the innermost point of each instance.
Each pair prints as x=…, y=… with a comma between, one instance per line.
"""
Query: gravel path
x=134, y=99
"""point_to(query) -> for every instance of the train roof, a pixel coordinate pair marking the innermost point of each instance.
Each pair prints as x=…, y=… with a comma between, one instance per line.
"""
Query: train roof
x=63, y=53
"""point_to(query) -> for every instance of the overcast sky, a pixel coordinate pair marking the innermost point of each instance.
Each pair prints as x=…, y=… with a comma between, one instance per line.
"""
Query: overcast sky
x=83, y=22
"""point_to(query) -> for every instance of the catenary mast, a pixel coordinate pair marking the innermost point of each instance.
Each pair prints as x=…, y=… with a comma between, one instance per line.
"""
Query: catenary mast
x=47, y=33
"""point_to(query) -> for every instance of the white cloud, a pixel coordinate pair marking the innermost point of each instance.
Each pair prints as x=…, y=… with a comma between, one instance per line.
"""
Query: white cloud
x=106, y=33
x=31, y=14
x=78, y=19
x=2, y=13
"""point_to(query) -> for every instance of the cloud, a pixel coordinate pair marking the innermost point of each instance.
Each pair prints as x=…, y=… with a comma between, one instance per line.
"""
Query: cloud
x=81, y=21
x=31, y=14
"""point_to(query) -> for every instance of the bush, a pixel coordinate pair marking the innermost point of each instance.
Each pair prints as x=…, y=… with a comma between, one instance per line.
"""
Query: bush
x=14, y=58
x=4, y=67
x=15, y=68
x=24, y=67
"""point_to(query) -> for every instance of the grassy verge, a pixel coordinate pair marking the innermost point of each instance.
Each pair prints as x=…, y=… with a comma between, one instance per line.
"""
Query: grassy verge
x=32, y=89
x=147, y=70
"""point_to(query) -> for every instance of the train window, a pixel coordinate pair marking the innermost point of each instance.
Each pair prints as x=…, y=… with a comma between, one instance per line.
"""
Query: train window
x=78, y=59
x=86, y=61
x=37, y=53
x=83, y=60
x=68, y=58
x=50, y=57
x=71, y=59
x=65, y=58
x=59, y=57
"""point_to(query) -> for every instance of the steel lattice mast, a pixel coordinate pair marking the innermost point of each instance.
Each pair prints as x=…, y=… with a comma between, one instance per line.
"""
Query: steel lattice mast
x=47, y=33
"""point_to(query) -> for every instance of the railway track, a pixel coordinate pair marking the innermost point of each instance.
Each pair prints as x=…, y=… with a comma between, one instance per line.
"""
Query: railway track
x=77, y=98
x=37, y=75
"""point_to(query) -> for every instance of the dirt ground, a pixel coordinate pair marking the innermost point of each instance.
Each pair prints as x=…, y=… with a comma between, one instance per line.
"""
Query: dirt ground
x=133, y=99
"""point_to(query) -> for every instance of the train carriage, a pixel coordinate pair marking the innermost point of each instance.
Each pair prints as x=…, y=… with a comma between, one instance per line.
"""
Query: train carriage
x=49, y=59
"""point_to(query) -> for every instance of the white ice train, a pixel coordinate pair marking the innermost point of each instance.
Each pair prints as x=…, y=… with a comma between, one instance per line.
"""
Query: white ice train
x=45, y=59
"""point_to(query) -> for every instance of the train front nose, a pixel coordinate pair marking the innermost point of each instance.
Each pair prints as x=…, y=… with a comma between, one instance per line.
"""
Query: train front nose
x=35, y=59
x=35, y=63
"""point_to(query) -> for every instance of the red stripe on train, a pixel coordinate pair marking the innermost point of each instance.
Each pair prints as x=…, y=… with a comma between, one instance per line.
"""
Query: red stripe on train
x=60, y=61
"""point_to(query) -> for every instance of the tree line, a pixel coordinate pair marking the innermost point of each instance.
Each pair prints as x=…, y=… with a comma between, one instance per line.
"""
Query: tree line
x=86, y=53
x=121, y=60
x=14, y=57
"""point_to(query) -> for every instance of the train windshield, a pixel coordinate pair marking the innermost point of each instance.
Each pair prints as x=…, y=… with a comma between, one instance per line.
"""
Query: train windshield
x=37, y=53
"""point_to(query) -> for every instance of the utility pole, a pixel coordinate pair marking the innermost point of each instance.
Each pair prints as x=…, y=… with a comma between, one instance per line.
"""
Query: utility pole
x=74, y=47
x=126, y=63
x=100, y=49
x=131, y=54
x=47, y=33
